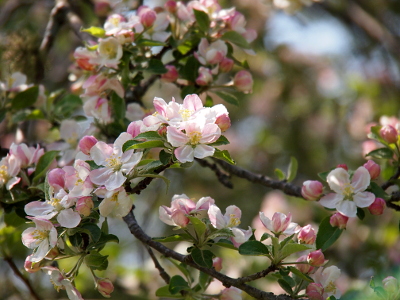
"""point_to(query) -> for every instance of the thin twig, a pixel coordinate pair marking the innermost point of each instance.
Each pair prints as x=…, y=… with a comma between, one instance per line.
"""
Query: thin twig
x=222, y=176
x=391, y=179
x=258, y=275
x=22, y=277
x=164, y=275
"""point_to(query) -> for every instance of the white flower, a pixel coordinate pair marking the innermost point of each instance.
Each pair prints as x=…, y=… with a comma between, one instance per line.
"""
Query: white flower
x=348, y=194
x=327, y=277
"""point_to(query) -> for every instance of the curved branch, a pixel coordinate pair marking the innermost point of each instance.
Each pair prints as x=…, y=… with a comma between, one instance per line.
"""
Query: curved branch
x=258, y=275
x=164, y=275
x=222, y=176
x=227, y=281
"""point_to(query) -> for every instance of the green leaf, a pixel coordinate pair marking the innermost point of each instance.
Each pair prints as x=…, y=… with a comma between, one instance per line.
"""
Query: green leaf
x=95, y=31
x=93, y=230
x=44, y=163
x=199, y=226
x=151, y=166
x=209, y=101
x=253, y=248
x=177, y=284
x=227, y=97
x=360, y=213
x=163, y=292
x=324, y=175
x=296, y=271
x=224, y=155
x=291, y=248
x=25, y=99
x=265, y=236
x=225, y=232
x=149, y=135
x=104, y=239
x=378, y=191
x=173, y=238
x=225, y=244
x=202, y=20
x=146, y=145
x=149, y=43
x=280, y=174
x=236, y=38
x=190, y=70
x=64, y=108
x=222, y=140
x=204, y=280
x=292, y=169
x=286, y=286
x=203, y=258
x=156, y=67
x=385, y=153
x=165, y=157
x=327, y=234
x=118, y=108
x=96, y=261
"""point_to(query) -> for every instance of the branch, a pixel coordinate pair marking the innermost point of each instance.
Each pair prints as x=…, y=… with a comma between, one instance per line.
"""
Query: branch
x=17, y=272
x=222, y=176
x=258, y=275
x=391, y=179
x=227, y=281
x=164, y=275
x=287, y=188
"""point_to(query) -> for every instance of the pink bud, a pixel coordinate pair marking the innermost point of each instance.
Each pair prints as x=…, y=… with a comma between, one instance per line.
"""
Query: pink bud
x=170, y=6
x=338, y=220
x=307, y=235
x=312, y=190
x=205, y=76
x=389, y=134
x=56, y=178
x=315, y=291
x=31, y=267
x=171, y=75
x=316, y=258
x=373, y=168
x=147, y=17
x=84, y=206
x=86, y=143
x=343, y=166
x=224, y=122
x=377, y=207
x=162, y=130
x=217, y=263
x=179, y=217
x=304, y=268
x=243, y=81
x=105, y=287
x=226, y=65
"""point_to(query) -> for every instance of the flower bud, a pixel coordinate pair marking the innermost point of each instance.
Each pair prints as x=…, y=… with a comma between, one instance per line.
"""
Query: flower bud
x=30, y=266
x=86, y=143
x=179, y=217
x=147, y=17
x=243, y=81
x=316, y=258
x=373, y=168
x=162, y=130
x=217, y=263
x=338, y=220
x=343, y=166
x=105, y=287
x=312, y=190
x=205, y=76
x=389, y=134
x=231, y=293
x=304, y=268
x=224, y=122
x=84, y=206
x=170, y=6
x=390, y=284
x=171, y=75
x=225, y=65
x=315, y=291
x=307, y=235
x=56, y=178
x=377, y=207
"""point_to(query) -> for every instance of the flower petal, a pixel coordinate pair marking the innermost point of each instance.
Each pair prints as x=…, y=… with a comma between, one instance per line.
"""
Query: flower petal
x=347, y=208
x=338, y=179
x=360, y=180
x=330, y=200
x=364, y=199
x=69, y=218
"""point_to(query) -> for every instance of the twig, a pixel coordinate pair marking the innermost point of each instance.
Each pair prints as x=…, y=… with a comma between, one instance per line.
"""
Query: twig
x=391, y=179
x=22, y=277
x=258, y=275
x=227, y=281
x=164, y=275
x=222, y=176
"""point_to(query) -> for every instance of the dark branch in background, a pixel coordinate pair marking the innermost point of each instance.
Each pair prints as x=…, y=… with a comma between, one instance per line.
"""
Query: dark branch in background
x=258, y=275
x=164, y=275
x=223, y=177
x=8, y=9
x=17, y=272
x=391, y=180
x=227, y=281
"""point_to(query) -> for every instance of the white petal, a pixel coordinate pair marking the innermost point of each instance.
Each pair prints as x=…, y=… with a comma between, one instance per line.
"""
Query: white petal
x=115, y=180
x=41, y=251
x=347, y=208
x=106, y=207
x=184, y=153
x=364, y=199
x=202, y=151
x=330, y=200
x=69, y=218
x=338, y=179
x=360, y=180
x=266, y=221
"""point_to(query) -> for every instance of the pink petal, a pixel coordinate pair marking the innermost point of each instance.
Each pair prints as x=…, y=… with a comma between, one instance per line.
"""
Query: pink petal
x=184, y=153
x=360, y=180
x=176, y=137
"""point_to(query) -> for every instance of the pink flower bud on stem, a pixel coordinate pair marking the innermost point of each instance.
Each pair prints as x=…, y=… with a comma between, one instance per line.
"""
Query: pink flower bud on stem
x=205, y=76
x=316, y=258
x=223, y=122
x=243, y=81
x=373, y=168
x=307, y=235
x=105, y=287
x=305, y=267
x=226, y=65
x=338, y=220
x=31, y=267
x=343, y=166
x=377, y=207
x=312, y=190
x=147, y=17
x=315, y=291
x=86, y=143
x=170, y=6
x=389, y=134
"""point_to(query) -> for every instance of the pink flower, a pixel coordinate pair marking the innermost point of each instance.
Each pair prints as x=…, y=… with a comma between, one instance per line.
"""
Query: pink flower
x=211, y=54
x=30, y=266
x=377, y=207
x=98, y=108
x=316, y=258
x=304, y=267
x=171, y=75
x=42, y=238
x=83, y=56
x=312, y=190
x=348, y=194
x=105, y=287
x=389, y=134
x=315, y=291
x=231, y=293
x=307, y=235
x=243, y=81
x=338, y=220
x=27, y=155
x=84, y=206
x=373, y=168
x=10, y=166
x=225, y=65
x=147, y=16
x=86, y=143
x=230, y=219
x=117, y=164
x=280, y=223
x=240, y=236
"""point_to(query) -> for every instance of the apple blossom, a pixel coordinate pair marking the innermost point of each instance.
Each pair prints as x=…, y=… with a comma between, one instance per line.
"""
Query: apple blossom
x=60, y=281
x=343, y=166
x=15, y=83
x=98, y=108
x=109, y=53
x=349, y=194
x=170, y=6
x=373, y=168
x=315, y=291
x=230, y=219
x=226, y=65
x=205, y=76
x=147, y=16
x=30, y=266
x=86, y=143
x=338, y=220
x=240, y=236
x=307, y=235
x=82, y=57
x=42, y=238
x=243, y=81
x=158, y=31
x=26, y=155
x=389, y=134
x=211, y=54
x=105, y=287
x=312, y=190
x=10, y=166
x=304, y=266
x=377, y=207
x=279, y=224
x=116, y=203
x=326, y=277
x=172, y=74
x=316, y=258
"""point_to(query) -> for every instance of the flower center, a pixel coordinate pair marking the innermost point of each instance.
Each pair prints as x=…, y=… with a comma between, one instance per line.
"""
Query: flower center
x=348, y=192
x=4, y=174
x=233, y=221
x=114, y=162
x=330, y=288
x=55, y=202
x=40, y=234
x=194, y=137
x=185, y=114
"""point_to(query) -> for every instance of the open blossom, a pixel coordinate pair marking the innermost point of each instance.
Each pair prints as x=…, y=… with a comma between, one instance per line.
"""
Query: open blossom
x=26, y=155
x=98, y=108
x=60, y=281
x=231, y=218
x=109, y=53
x=211, y=54
x=349, y=194
x=205, y=76
x=9, y=169
x=116, y=203
x=43, y=237
x=326, y=277
x=280, y=223
x=117, y=164
x=157, y=32
x=15, y=83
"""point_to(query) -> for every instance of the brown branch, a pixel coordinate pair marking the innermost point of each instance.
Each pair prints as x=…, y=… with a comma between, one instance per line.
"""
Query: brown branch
x=287, y=188
x=164, y=275
x=227, y=281
x=18, y=273
x=391, y=179
x=221, y=176
x=258, y=275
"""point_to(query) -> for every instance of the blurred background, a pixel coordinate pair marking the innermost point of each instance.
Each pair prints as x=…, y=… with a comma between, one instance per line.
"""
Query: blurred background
x=323, y=73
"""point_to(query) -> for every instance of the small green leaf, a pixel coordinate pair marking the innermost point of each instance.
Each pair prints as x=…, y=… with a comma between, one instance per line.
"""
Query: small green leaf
x=199, y=226
x=227, y=97
x=327, y=234
x=324, y=175
x=25, y=98
x=286, y=286
x=292, y=169
x=163, y=292
x=93, y=230
x=378, y=191
x=146, y=145
x=95, y=31
x=148, y=135
x=279, y=173
x=360, y=213
x=44, y=163
x=222, y=140
x=68, y=104
x=96, y=261
x=156, y=67
x=149, y=43
x=225, y=244
x=118, y=108
x=165, y=157
x=236, y=38
x=190, y=70
x=385, y=153
x=224, y=155
x=291, y=248
x=104, y=239
x=253, y=248
x=209, y=101
x=204, y=280
x=173, y=238
x=202, y=20
x=265, y=236
x=203, y=258
x=296, y=271
x=177, y=284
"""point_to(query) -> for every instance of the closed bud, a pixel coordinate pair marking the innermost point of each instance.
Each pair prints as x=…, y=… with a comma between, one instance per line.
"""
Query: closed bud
x=53, y=253
x=205, y=76
x=338, y=220
x=226, y=64
x=315, y=291
x=243, y=81
x=373, y=168
x=86, y=143
x=224, y=122
x=84, y=206
x=307, y=235
x=312, y=190
x=316, y=258
x=170, y=6
x=30, y=266
x=389, y=134
x=56, y=178
x=390, y=284
x=343, y=166
x=171, y=75
x=147, y=17
x=217, y=263
x=305, y=267
x=105, y=287
x=377, y=207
